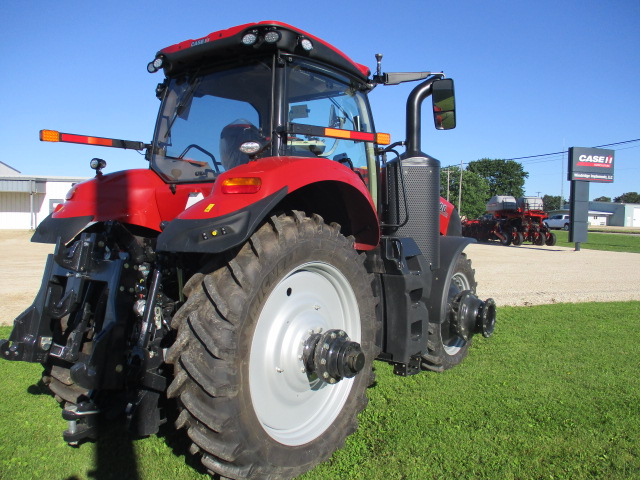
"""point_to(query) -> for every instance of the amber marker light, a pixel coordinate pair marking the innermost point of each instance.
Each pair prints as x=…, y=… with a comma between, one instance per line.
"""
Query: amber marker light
x=241, y=185
x=49, y=136
x=383, y=138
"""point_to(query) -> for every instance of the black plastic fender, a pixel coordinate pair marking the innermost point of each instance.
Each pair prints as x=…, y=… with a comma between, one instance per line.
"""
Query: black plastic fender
x=450, y=249
x=214, y=235
x=67, y=229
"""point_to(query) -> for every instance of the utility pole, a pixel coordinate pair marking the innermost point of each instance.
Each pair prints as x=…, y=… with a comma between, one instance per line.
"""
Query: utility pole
x=448, y=182
x=460, y=190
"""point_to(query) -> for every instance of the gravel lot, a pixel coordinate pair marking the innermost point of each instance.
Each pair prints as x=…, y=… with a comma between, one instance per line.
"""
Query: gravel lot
x=525, y=275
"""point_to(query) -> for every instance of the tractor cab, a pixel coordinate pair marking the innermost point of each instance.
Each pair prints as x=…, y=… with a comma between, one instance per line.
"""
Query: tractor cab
x=276, y=91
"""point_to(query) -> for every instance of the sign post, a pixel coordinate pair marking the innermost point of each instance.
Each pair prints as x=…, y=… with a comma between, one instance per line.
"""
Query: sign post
x=585, y=165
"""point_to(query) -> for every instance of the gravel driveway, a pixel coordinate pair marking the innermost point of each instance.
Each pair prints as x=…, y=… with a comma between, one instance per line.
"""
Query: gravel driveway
x=525, y=275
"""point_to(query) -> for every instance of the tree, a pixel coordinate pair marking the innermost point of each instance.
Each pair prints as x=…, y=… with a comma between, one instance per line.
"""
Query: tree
x=629, y=197
x=505, y=177
x=475, y=191
x=553, y=202
x=602, y=199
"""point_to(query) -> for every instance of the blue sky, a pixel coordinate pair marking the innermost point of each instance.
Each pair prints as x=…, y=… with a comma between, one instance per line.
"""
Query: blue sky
x=531, y=77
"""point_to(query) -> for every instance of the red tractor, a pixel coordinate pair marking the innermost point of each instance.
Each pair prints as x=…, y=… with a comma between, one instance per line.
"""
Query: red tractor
x=253, y=273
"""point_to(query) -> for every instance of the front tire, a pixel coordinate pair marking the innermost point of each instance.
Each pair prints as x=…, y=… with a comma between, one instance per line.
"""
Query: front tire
x=446, y=348
x=248, y=404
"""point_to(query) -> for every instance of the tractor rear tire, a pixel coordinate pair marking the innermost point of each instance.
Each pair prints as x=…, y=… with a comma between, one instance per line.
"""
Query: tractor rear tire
x=445, y=349
x=250, y=407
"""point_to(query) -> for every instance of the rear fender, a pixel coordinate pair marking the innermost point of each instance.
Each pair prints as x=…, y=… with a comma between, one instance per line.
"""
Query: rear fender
x=134, y=197
x=449, y=219
x=450, y=249
x=223, y=220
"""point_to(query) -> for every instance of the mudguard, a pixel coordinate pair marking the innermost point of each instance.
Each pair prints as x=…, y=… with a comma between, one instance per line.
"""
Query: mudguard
x=223, y=219
x=450, y=248
x=450, y=224
x=135, y=197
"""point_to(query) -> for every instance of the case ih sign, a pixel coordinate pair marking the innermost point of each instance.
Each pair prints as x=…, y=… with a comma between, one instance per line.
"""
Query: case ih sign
x=590, y=165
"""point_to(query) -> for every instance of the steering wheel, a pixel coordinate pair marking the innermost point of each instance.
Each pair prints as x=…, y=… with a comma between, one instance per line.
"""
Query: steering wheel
x=214, y=162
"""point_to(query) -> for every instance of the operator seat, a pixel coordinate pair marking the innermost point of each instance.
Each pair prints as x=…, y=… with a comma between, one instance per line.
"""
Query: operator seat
x=232, y=137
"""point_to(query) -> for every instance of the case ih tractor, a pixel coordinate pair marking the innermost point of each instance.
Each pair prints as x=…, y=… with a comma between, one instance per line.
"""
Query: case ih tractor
x=253, y=273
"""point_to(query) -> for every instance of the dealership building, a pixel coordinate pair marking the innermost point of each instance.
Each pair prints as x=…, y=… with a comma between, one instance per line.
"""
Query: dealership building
x=26, y=200
x=610, y=213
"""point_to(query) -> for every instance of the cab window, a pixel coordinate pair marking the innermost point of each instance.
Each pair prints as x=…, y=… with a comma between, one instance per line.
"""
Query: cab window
x=319, y=98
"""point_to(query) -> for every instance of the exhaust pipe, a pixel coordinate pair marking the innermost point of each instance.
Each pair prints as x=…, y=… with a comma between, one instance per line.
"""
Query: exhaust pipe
x=422, y=180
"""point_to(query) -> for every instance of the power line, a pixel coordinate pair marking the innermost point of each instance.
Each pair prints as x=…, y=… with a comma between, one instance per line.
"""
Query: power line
x=563, y=152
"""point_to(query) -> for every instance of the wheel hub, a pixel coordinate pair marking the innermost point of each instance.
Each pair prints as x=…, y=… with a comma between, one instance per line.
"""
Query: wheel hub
x=471, y=315
x=332, y=356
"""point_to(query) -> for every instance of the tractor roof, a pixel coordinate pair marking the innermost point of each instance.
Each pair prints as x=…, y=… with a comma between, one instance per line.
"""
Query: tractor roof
x=237, y=41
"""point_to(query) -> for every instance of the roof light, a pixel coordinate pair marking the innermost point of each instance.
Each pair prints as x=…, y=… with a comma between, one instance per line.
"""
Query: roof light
x=306, y=44
x=272, y=36
x=155, y=65
x=241, y=185
x=250, y=38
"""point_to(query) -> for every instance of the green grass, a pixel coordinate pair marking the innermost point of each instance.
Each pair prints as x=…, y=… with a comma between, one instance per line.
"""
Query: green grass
x=613, y=242
x=554, y=394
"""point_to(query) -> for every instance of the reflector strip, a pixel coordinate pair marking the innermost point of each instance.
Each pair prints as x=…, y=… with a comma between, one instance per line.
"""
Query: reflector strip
x=349, y=134
x=55, y=136
x=312, y=130
x=67, y=137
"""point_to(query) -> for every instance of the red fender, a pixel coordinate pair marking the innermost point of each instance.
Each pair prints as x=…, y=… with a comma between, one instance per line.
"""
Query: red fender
x=446, y=213
x=274, y=179
x=138, y=197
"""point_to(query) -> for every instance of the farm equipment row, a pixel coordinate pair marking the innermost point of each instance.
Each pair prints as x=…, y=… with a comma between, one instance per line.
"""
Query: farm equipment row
x=511, y=222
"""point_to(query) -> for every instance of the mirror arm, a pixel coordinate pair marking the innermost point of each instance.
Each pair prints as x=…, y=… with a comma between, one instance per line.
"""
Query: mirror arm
x=414, y=109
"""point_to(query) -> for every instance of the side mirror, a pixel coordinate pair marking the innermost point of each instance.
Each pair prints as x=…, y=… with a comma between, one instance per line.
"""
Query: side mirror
x=444, y=104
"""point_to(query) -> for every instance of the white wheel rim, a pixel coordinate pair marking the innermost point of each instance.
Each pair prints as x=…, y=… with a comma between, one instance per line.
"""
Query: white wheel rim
x=293, y=408
x=462, y=283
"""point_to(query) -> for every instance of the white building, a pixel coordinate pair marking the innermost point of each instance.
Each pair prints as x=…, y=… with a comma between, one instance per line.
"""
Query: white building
x=610, y=213
x=25, y=200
